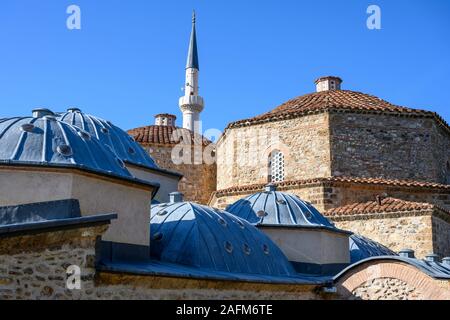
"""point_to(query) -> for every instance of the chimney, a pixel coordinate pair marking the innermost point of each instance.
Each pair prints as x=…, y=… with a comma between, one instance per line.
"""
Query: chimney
x=176, y=197
x=42, y=112
x=407, y=253
x=271, y=187
x=328, y=83
x=432, y=258
x=446, y=261
x=165, y=119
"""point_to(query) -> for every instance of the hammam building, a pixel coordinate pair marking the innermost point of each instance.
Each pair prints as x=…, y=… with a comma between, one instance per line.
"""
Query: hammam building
x=335, y=194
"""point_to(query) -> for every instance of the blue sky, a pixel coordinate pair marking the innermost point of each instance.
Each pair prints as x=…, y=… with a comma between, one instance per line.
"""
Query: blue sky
x=127, y=62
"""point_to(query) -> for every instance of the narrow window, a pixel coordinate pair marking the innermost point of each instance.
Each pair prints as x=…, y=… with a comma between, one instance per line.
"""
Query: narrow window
x=276, y=166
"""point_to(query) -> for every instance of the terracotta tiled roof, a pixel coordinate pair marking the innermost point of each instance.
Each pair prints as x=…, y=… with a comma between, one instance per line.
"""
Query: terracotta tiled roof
x=373, y=207
x=333, y=100
x=166, y=135
x=377, y=181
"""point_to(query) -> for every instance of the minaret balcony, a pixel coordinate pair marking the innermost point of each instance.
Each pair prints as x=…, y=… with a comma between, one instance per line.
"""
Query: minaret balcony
x=192, y=102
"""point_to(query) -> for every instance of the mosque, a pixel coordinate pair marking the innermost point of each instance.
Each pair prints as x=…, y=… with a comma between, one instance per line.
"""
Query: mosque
x=351, y=200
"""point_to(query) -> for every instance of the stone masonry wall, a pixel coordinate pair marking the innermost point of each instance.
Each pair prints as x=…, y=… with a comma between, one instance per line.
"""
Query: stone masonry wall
x=383, y=146
x=395, y=231
x=243, y=153
x=441, y=236
x=34, y=267
x=386, y=289
x=199, y=180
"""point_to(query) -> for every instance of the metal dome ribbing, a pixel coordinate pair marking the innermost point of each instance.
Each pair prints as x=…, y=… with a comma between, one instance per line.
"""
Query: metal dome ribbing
x=45, y=141
x=122, y=144
x=272, y=207
x=363, y=248
x=194, y=235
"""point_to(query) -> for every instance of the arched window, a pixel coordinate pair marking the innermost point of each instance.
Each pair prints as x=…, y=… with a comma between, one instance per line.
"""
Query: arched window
x=276, y=166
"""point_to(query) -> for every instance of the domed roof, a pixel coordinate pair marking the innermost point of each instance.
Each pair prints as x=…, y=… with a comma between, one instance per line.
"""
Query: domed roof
x=167, y=135
x=123, y=145
x=362, y=248
x=330, y=99
x=45, y=141
x=272, y=207
x=194, y=235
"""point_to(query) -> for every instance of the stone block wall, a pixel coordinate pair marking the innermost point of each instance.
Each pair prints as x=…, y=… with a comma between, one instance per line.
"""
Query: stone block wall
x=243, y=153
x=441, y=235
x=199, y=179
x=386, y=146
x=35, y=266
x=397, y=231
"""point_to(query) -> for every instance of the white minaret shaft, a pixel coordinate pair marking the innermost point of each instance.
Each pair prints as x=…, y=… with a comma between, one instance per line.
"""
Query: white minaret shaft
x=191, y=104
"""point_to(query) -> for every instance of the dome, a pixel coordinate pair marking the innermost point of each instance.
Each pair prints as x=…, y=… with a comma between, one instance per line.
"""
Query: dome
x=123, y=145
x=326, y=100
x=45, y=141
x=195, y=235
x=272, y=207
x=362, y=248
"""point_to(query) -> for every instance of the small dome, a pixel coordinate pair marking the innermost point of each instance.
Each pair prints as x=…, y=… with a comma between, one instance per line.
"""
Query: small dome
x=362, y=248
x=123, y=145
x=48, y=142
x=277, y=208
x=199, y=236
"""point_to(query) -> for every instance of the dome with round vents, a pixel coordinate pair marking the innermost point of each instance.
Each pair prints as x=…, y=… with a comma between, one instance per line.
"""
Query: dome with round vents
x=122, y=144
x=272, y=207
x=195, y=235
x=45, y=141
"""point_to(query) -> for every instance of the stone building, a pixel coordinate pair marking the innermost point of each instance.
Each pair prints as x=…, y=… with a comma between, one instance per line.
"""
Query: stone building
x=337, y=148
x=180, y=150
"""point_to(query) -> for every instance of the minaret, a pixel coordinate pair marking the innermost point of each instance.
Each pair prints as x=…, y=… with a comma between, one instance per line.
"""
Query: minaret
x=191, y=104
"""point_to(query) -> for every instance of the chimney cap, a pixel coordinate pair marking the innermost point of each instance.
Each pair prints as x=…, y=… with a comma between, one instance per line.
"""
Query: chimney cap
x=42, y=112
x=271, y=187
x=166, y=115
x=432, y=257
x=407, y=253
x=337, y=79
x=176, y=197
x=73, y=109
x=446, y=261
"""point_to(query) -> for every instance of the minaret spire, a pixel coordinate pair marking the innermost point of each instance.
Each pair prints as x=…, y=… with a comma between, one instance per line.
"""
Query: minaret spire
x=191, y=104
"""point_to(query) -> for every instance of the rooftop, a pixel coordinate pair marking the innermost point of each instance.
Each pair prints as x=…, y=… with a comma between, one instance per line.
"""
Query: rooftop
x=383, y=206
x=166, y=135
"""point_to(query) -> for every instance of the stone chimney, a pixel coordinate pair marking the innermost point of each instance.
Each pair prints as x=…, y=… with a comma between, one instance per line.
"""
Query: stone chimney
x=165, y=119
x=328, y=83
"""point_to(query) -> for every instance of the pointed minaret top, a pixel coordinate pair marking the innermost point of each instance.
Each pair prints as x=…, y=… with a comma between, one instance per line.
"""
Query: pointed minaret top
x=192, y=60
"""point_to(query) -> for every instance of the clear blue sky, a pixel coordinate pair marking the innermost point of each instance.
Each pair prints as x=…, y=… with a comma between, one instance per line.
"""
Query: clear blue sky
x=127, y=62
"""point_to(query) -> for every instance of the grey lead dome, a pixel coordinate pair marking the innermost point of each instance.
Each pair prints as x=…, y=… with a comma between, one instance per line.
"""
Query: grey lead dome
x=122, y=144
x=272, y=207
x=45, y=141
x=195, y=235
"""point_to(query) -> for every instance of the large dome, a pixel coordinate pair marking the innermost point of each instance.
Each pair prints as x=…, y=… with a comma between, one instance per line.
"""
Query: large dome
x=194, y=235
x=272, y=207
x=45, y=141
x=123, y=145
